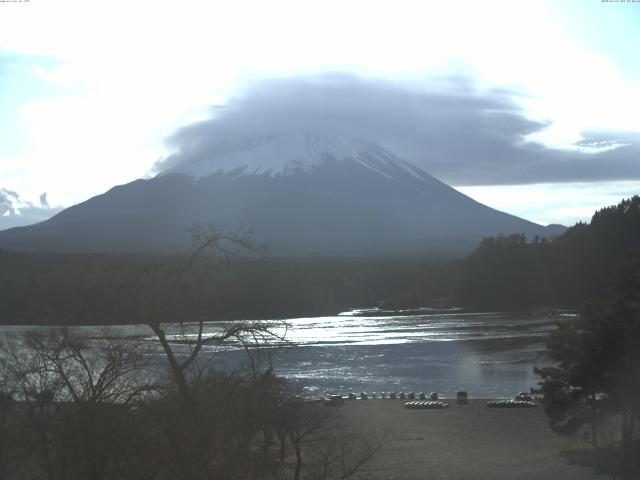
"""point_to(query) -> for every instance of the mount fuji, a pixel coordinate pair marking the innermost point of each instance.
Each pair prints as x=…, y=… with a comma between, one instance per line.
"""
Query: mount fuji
x=302, y=194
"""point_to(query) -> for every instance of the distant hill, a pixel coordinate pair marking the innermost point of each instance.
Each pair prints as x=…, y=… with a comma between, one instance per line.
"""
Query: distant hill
x=302, y=194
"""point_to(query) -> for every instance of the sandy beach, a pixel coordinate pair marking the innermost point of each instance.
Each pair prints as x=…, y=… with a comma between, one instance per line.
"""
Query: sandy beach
x=463, y=442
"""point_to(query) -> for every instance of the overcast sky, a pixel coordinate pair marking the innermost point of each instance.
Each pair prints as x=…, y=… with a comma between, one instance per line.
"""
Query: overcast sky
x=530, y=107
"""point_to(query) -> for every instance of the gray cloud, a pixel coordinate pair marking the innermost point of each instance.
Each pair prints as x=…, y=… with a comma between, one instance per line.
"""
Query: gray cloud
x=15, y=212
x=7, y=200
x=44, y=203
x=454, y=131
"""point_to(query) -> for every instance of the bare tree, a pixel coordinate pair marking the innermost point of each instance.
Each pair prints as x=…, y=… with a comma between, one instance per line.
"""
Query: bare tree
x=7, y=432
x=306, y=420
x=214, y=418
x=341, y=454
x=325, y=447
x=209, y=240
x=74, y=395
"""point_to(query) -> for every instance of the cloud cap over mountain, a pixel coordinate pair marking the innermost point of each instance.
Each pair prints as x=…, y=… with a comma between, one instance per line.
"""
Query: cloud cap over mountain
x=460, y=133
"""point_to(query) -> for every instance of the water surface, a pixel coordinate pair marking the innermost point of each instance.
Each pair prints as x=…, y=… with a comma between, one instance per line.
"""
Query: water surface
x=491, y=355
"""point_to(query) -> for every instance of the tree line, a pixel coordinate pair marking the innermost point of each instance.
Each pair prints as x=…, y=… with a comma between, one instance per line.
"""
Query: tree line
x=504, y=272
x=117, y=288
x=593, y=385
x=513, y=272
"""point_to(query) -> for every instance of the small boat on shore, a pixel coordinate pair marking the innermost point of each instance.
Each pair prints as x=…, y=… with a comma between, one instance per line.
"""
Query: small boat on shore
x=426, y=405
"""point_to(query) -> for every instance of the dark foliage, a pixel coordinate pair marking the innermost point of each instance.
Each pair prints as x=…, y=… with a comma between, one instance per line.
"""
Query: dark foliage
x=78, y=407
x=515, y=273
x=111, y=289
x=596, y=379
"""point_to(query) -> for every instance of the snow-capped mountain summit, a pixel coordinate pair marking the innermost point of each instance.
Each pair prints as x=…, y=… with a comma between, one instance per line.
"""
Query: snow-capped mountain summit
x=290, y=154
x=304, y=194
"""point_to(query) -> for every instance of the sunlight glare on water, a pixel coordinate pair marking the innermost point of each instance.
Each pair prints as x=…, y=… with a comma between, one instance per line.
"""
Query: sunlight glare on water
x=490, y=354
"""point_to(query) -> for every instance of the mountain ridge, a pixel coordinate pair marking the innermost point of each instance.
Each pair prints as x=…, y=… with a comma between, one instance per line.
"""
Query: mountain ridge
x=309, y=194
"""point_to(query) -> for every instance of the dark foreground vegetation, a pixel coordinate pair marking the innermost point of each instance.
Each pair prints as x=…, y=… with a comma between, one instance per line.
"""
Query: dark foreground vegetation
x=73, y=407
x=593, y=387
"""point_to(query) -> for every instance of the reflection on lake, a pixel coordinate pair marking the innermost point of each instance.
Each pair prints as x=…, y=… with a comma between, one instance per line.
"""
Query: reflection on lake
x=490, y=355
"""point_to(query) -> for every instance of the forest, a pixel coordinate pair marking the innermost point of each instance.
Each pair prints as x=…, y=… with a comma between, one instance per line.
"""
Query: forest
x=586, y=263
x=503, y=273
x=119, y=288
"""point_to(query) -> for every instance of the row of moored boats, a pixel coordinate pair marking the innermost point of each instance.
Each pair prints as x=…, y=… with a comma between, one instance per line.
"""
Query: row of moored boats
x=431, y=401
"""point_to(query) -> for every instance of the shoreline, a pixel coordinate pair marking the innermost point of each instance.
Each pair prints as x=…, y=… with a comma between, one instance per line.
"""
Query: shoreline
x=373, y=312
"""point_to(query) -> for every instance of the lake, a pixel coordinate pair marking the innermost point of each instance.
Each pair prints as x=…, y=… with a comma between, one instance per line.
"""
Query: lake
x=488, y=354
x=491, y=355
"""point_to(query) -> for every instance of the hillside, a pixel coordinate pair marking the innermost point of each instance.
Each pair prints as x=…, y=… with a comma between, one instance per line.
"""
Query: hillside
x=509, y=272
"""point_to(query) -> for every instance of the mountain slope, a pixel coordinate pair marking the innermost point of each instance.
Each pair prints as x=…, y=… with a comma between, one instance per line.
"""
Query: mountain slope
x=302, y=194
